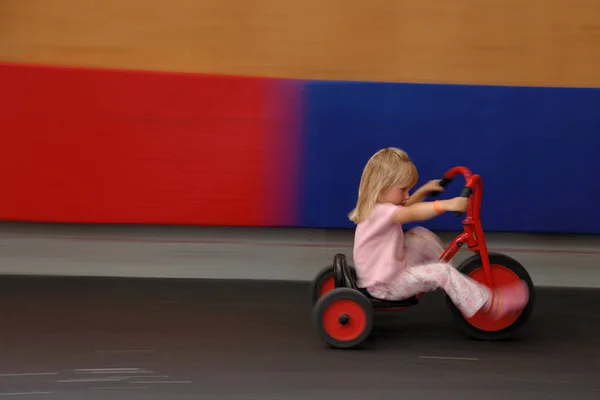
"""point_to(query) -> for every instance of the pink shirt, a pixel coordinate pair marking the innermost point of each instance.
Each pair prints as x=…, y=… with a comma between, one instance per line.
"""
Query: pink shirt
x=378, y=247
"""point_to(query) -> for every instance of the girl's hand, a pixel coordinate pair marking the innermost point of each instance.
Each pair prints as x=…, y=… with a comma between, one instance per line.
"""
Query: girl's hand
x=432, y=186
x=459, y=204
x=424, y=191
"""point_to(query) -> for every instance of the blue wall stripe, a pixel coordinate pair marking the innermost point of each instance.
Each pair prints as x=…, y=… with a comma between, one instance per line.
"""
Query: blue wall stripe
x=536, y=148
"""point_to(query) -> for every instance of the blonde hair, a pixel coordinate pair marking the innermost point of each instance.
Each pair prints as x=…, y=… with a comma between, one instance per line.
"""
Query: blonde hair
x=384, y=169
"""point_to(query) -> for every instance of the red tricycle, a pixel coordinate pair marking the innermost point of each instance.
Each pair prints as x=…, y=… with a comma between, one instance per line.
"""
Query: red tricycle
x=344, y=313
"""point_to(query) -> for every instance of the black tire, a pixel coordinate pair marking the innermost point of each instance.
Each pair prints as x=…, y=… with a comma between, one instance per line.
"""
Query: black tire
x=470, y=265
x=344, y=294
x=317, y=282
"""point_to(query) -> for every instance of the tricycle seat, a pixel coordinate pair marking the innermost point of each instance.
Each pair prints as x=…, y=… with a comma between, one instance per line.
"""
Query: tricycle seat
x=343, y=277
x=380, y=303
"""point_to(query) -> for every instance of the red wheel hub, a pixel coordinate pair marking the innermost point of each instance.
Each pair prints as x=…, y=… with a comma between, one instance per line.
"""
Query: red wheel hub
x=500, y=276
x=344, y=320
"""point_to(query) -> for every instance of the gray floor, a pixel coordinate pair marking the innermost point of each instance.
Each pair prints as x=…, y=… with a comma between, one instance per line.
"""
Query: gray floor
x=95, y=338
x=250, y=253
x=99, y=338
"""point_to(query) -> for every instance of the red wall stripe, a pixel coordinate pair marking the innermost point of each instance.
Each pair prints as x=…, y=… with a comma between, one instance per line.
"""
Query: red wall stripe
x=106, y=146
x=284, y=152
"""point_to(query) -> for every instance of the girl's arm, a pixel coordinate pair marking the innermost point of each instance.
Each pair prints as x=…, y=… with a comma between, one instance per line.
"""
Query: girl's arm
x=424, y=211
x=423, y=191
x=417, y=197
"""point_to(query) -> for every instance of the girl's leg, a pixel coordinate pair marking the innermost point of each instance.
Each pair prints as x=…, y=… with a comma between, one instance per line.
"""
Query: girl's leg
x=421, y=246
x=468, y=295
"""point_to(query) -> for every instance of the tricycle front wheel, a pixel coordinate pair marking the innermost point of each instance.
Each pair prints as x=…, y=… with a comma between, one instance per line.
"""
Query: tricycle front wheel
x=505, y=270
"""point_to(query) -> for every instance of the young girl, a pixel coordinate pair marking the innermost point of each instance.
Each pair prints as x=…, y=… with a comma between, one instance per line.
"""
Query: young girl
x=393, y=265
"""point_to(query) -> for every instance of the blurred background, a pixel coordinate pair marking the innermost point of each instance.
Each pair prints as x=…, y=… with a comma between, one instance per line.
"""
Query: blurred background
x=226, y=139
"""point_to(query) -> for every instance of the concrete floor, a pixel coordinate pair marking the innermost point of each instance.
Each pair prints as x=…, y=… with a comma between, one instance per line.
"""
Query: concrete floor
x=74, y=338
x=95, y=338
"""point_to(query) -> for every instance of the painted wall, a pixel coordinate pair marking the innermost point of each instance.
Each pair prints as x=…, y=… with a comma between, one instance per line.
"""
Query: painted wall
x=234, y=112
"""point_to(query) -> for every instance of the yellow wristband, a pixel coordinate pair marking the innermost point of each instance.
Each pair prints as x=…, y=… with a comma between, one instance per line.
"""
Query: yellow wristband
x=437, y=207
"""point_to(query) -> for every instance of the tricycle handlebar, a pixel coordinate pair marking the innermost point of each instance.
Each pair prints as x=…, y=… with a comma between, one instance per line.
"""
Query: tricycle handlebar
x=469, y=181
x=464, y=171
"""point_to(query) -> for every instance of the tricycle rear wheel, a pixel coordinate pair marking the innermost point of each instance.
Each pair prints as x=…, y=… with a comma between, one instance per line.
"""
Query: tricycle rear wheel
x=505, y=270
x=324, y=283
x=343, y=318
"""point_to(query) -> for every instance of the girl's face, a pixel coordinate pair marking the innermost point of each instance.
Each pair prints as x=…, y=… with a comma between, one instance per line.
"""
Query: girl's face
x=397, y=194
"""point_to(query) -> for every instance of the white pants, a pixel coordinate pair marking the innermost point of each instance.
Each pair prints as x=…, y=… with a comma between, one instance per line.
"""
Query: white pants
x=424, y=273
